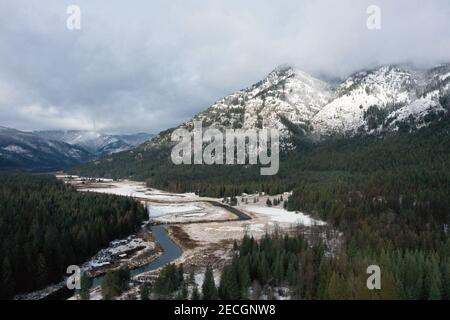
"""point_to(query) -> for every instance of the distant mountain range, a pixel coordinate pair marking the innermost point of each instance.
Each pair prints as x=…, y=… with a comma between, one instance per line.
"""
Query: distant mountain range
x=25, y=150
x=95, y=142
x=50, y=150
x=382, y=100
x=379, y=101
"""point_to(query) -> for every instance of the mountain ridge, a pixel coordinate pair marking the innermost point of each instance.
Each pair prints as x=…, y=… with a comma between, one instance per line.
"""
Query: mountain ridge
x=382, y=99
x=58, y=149
x=95, y=142
x=24, y=150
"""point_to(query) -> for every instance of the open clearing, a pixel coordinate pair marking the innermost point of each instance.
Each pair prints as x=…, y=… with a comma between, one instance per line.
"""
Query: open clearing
x=203, y=227
x=200, y=220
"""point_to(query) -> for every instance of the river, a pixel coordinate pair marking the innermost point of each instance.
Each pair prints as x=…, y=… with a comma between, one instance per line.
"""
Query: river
x=171, y=251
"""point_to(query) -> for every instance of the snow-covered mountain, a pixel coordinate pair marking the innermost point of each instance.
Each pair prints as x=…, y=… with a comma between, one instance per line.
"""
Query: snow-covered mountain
x=25, y=150
x=385, y=88
x=95, y=142
x=432, y=100
x=285, y=93
x=382, y=100
x=285, y=96
x=387, y=98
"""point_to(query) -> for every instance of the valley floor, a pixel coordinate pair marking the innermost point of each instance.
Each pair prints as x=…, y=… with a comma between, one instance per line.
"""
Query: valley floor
x=203, y=227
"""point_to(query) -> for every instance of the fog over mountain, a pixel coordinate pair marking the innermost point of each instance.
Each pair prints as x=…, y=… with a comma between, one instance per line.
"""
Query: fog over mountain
x=151, y=65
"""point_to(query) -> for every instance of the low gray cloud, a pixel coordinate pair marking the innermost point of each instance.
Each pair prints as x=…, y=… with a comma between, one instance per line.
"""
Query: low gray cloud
x=149, y=65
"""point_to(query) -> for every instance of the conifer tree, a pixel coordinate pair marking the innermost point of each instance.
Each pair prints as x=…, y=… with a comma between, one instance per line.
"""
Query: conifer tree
x=144, y=291
x=85, y=284
x=195, y=295
x=209, y=289
x=6, y=280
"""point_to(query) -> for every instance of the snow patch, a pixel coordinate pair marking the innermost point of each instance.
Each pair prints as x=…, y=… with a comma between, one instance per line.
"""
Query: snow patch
x=15, y=148
x=282, y=215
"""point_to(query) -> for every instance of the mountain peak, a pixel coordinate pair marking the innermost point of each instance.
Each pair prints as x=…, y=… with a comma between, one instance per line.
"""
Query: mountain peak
x=364, y=102
x=283, y=69
x=286, y=71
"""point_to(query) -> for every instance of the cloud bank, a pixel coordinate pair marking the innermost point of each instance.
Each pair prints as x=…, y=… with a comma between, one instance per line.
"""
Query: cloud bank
x=150, y=65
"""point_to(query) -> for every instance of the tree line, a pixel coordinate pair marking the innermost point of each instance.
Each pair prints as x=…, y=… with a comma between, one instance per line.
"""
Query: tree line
x=47, y=226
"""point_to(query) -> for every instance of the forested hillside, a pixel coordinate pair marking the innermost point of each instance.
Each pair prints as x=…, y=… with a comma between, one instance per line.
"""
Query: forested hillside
x=397, y=182
x=402, y=159
x=46, y=226
x=277, y=262
x=388, y=194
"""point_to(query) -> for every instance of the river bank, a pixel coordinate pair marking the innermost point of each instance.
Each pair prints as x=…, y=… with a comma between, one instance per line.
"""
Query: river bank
x=170, y=251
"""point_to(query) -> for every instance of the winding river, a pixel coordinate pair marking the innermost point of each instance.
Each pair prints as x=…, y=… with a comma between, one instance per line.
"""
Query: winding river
x=171, y=251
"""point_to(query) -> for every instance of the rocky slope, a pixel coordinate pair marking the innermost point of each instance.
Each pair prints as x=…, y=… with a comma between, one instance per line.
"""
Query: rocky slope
x=383, y=99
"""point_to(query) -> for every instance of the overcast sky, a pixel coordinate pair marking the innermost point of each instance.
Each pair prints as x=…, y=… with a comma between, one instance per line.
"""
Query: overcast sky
x=149, y=65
